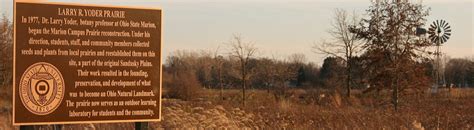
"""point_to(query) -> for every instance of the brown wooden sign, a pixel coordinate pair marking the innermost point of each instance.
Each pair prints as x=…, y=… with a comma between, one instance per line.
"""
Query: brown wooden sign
x=86, y=64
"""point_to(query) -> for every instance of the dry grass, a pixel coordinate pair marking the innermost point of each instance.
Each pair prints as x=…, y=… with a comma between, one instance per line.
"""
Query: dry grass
x=306, y=109
x=327, y=109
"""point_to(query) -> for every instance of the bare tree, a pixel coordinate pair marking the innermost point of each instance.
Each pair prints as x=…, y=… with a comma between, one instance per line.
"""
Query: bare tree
x=297, y=64
x=243, y=51
x=297, y=58
x=218, y=62
x=282, y=73
x=344, y=44
x=393, y=48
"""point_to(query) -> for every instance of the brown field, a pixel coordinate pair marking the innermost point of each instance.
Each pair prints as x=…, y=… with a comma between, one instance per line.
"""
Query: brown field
x=303, y=109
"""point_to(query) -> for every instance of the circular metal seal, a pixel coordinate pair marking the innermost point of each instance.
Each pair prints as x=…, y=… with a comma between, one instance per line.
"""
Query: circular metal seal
x=41, y=88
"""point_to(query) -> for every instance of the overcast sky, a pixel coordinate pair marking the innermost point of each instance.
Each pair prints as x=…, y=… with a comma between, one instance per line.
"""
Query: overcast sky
x=278, y=27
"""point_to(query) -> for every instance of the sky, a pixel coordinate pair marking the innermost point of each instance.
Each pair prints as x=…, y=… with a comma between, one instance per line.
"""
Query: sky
x=277, y=27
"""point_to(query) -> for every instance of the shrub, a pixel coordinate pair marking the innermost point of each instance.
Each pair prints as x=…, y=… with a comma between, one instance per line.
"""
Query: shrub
x=183, y=86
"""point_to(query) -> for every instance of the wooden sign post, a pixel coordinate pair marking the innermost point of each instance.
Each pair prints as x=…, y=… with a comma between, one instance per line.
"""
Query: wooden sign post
x=86, y=64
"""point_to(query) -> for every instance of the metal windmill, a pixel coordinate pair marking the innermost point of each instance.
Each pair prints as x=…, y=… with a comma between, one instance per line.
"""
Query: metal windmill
x=439, y=32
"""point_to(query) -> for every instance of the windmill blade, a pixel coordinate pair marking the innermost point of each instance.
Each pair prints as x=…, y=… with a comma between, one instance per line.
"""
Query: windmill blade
x=448, y=27
x=441, y=23
x=445, y=37
x=432, y=26
x=432, y=29
x=432, y=38
x=449, y=30
x=432, y=35
x=437, y=23
x=446, y=24
x=448, y=34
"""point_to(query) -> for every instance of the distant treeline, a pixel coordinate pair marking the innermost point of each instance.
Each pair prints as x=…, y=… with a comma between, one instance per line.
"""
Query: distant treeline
x=215, y=71
x=294, y=71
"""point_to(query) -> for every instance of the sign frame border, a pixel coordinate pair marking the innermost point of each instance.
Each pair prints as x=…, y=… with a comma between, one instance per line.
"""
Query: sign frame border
x=93, y=121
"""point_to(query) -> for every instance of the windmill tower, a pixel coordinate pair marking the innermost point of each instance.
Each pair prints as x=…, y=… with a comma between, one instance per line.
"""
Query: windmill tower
x=439, y=32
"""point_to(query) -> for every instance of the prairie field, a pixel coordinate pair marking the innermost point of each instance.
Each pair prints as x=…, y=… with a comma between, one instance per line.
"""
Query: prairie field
x=301, y=109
